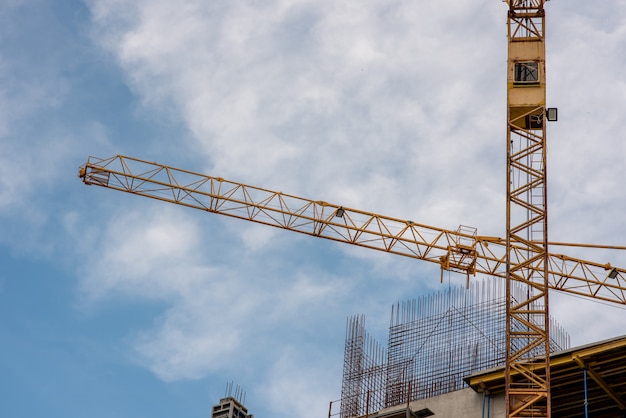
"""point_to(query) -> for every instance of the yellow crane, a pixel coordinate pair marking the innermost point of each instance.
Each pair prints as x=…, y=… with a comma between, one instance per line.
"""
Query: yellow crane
x=521, y=256
x=461, y=250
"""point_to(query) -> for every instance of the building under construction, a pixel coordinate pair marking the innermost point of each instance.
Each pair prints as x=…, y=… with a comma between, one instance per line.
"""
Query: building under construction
x=445, y=356
x=232, y=404
x=434, y=343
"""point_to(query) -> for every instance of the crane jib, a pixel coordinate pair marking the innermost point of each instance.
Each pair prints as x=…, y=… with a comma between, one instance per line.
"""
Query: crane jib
x=461, y=250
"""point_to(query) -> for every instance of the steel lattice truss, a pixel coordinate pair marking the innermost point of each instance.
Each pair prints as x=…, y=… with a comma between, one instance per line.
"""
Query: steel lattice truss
x=527, y=383
x=453, y=250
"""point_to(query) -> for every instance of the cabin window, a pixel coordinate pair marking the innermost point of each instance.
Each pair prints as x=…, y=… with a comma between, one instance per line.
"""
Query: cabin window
x=527, y=72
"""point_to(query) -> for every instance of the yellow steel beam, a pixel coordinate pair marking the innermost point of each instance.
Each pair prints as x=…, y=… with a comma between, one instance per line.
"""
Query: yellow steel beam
x=598, y=379
x=356, y=227
x=562, y=359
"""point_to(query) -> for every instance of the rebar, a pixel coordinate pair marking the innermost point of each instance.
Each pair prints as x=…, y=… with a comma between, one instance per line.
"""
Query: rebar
x=434, y=342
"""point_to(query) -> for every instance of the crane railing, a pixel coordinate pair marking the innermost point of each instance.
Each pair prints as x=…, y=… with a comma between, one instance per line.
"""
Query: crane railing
x=460, y=250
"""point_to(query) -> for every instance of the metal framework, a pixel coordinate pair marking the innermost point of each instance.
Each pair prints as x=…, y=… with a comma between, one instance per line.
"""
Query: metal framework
x=452, y=250
x=435, y=342
x=586, y=381
x=527, y=320
x=364, y=371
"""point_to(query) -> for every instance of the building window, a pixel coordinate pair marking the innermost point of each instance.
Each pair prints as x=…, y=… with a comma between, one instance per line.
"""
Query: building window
x=527, y=72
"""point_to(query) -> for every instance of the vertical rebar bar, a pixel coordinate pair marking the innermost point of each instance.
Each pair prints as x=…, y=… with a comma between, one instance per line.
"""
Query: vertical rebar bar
x=434, y=341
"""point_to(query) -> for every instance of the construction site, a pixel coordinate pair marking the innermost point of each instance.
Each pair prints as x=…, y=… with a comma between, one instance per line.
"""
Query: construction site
x=487, y=349
x=445, y=357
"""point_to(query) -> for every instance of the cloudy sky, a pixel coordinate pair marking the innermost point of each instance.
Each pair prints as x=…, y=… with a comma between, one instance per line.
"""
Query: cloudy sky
x=113, y=305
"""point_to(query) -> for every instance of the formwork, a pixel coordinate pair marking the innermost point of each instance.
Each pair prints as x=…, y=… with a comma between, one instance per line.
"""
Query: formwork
x=434, y=342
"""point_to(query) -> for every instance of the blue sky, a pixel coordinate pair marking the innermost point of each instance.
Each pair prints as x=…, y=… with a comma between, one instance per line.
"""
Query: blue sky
x=116, y=306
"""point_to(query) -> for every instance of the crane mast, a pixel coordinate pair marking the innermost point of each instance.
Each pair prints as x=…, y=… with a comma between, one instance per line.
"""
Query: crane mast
x=527, y=370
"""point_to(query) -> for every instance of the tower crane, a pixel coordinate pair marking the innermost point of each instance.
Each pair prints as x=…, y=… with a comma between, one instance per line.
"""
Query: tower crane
x=461, y=250
x=521, y=256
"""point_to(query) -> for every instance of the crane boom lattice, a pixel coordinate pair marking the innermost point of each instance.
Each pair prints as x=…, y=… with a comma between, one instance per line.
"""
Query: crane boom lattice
x=600, y=281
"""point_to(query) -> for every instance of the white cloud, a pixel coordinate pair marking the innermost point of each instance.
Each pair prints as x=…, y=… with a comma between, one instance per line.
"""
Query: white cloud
x=224, y=319
x=140, y=254
x=217, y=303
x=586, y=153
x=191, y=342
x=301, y=95
x=296, y=386
x=26, y=162
x=39, y=139
x=587, y=321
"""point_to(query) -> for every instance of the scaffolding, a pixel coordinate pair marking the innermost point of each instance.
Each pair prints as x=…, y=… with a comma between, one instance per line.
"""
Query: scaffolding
x=434, y=342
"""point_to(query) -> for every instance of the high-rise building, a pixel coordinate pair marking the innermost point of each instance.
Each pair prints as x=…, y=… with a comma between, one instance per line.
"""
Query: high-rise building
x=230, y=407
